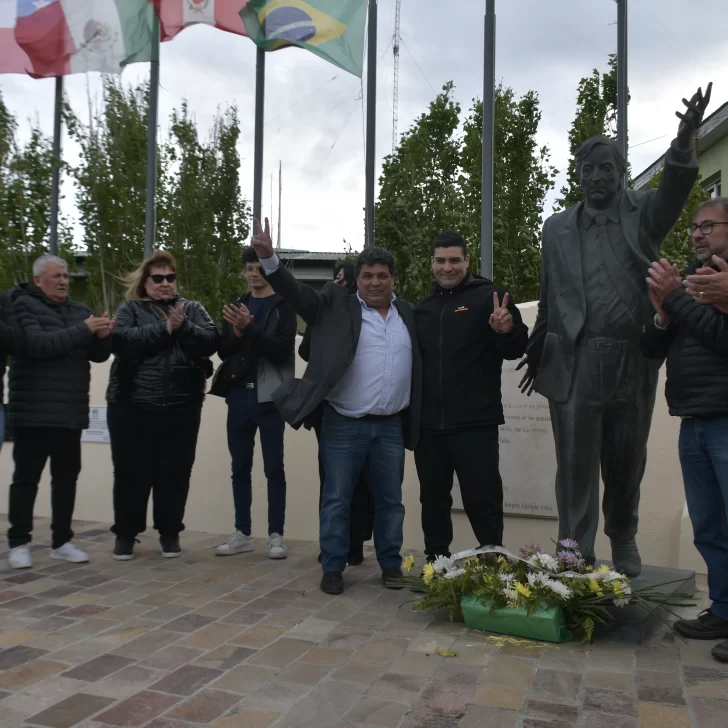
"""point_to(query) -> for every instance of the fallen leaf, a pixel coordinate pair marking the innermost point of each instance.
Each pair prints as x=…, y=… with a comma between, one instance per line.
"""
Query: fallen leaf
x=445, y=653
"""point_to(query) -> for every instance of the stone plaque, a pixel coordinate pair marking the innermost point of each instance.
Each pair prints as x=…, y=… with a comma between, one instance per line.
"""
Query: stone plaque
x=527, y=453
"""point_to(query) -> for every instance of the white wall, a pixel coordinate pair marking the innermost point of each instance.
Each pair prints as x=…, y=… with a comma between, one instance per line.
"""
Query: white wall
x=664, y=537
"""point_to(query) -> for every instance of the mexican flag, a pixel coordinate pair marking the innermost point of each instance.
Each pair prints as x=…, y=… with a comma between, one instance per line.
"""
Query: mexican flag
x=332, y=29
x=60, y=37
x=176, y=15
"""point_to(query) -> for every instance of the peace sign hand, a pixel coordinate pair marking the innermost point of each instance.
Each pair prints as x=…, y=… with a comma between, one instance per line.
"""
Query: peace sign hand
x=261, y=241
x=501, y=320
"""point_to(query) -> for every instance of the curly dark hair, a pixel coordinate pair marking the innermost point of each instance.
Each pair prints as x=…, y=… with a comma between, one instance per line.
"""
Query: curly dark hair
x=450, y=240
x=374, y=256
x=249, y=255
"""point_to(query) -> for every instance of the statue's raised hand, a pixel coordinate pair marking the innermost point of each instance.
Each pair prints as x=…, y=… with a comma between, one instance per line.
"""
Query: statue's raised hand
x=693, y=117
x=528, y=383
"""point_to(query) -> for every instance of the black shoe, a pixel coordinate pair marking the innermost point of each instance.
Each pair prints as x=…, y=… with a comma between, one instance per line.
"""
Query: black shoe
x=170, y=547
x=707, y=626
x=391, y=576
x=720, y=652
x=356, y=556
x=124, y=548
x=332, y=582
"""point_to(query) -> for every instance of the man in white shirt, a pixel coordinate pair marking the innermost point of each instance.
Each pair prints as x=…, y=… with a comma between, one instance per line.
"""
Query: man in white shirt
x=365, y=366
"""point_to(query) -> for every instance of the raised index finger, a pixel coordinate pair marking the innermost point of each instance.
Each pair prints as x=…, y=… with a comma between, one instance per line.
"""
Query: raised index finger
x=496, y=303
x=256, y=225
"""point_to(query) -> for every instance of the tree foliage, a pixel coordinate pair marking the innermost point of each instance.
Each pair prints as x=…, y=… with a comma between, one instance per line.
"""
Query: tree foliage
x=25, y=199
x=433, y=182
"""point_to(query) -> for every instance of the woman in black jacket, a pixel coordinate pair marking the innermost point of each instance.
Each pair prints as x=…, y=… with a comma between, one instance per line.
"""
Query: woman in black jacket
x=162, y=346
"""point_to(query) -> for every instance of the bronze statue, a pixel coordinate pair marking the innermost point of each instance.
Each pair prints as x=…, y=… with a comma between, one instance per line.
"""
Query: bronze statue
x=583, y=353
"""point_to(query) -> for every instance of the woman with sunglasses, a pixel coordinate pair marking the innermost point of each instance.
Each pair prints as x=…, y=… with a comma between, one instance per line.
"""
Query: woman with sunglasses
x=162, y=346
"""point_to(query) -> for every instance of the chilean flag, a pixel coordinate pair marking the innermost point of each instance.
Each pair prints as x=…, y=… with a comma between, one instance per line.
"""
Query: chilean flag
x=176, y=15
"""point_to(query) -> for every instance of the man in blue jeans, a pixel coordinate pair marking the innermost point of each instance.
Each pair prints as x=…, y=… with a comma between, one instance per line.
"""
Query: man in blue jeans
x=365, y=367
x=694, y=338
x=257, y=349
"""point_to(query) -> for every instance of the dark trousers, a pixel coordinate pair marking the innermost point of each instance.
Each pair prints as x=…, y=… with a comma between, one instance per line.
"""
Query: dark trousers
x=348, y=445
x=704, y=460
x=246, y=417
x=604, y=423
x=473, y=455
x=362, y=504
x=152, y=452
x=33, y=447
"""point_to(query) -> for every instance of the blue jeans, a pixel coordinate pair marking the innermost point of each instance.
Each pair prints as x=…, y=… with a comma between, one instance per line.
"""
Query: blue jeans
x=347, y=444
x=704, y=461
x=245, y=418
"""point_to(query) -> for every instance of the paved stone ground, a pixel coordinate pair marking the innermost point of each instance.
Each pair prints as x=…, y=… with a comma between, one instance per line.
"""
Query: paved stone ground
x=244, y=642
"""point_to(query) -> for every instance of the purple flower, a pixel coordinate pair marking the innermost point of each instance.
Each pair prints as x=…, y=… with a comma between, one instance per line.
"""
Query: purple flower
x=527, y=551
x=569, y=543
x=571, y=559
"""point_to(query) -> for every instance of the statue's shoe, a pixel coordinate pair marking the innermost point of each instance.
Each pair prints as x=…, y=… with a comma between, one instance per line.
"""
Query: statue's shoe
x=626, y=558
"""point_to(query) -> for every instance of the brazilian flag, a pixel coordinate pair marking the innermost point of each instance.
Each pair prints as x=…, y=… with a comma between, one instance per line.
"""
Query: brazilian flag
x=332, y=29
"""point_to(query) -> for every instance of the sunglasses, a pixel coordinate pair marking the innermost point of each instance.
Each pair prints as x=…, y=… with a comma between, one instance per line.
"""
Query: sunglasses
x=159, y=278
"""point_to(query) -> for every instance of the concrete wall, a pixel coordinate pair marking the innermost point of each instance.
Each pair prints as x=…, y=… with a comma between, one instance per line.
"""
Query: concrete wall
x=665, y=538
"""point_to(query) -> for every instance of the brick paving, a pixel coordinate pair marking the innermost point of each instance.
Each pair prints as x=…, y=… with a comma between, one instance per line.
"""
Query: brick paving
x=244, y=642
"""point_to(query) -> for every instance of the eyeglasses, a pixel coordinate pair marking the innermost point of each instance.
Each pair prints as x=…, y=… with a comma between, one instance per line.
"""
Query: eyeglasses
x=705, y=227
x=159, y=278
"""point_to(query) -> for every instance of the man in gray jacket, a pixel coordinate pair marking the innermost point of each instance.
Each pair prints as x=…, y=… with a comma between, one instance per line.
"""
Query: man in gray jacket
x=257, y=349
x=583, y=353
x=48, y=403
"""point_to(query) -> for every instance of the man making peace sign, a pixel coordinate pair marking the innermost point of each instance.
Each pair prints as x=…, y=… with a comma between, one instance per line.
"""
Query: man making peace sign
x=466, y=327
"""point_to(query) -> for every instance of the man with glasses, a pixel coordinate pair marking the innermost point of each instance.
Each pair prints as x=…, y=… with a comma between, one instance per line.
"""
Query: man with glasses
x=583, y=353
x=694, y=338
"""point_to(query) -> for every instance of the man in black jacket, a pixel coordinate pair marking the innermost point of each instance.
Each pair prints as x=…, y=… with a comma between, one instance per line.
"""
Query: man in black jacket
x=694, y=338
x=48, y=403
x=466, y=327
x=10, y=345
x=258, y=341
x=365, y=365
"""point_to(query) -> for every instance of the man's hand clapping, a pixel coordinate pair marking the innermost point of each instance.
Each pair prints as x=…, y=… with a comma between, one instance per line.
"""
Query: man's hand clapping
x=239, y=317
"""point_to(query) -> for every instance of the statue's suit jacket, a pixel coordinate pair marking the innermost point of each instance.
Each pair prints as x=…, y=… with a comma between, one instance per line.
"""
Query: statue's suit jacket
x=646, y=220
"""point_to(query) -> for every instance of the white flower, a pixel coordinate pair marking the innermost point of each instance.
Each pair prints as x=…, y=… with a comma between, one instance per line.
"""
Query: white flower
x=545, y=561
x=620, y=602
x=453, y=573
x=443, y=563
x=510, y=594
x=558, y=588
x=506, y=578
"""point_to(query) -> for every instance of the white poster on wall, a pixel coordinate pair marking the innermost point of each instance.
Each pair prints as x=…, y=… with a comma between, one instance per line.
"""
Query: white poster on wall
x=527, y=454
x=98, y=430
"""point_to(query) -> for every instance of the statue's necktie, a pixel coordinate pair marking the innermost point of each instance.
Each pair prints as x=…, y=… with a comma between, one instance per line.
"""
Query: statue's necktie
x=600, y=219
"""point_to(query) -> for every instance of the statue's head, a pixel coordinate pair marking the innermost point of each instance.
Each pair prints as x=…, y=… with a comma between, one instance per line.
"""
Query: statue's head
x=601, y=166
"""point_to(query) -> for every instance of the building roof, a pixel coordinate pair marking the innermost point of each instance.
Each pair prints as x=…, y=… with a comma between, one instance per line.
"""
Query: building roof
x=291, y=254
x=711, y=131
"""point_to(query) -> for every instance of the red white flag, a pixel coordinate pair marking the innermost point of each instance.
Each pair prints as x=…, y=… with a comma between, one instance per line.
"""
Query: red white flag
x=176, y=15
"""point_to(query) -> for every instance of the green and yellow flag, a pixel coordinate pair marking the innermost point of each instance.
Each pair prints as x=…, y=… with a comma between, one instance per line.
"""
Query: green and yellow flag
x=332, y=29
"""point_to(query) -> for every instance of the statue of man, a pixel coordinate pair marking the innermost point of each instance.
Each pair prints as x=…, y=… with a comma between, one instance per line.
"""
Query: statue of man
x=583, y=353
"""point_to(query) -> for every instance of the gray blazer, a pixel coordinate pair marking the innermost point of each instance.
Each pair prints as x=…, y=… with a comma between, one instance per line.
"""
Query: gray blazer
x=647, y=218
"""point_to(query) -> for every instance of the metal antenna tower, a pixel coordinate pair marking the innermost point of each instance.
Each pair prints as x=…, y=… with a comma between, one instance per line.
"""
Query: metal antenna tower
x=395, y=90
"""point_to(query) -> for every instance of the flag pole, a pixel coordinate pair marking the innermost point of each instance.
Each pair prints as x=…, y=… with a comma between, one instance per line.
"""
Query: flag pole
x=371, y=123
x=622, y=91
x=259, y=119
x=56, y=168
x=280, y=194
x=150, y=212
x=486, y=220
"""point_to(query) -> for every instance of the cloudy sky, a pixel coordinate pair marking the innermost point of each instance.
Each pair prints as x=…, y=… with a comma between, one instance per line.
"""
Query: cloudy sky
x=314, y=112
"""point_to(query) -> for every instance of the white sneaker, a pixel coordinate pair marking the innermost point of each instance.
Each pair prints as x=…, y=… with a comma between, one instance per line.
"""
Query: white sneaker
x=238, y=543
x=68, y=552
x=19, y=558
x=276, y=548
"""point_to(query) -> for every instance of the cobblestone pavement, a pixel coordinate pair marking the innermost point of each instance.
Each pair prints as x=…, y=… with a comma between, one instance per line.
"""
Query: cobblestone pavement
x=244, y=642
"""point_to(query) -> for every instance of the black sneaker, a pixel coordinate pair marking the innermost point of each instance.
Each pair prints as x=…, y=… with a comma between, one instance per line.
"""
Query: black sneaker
x=170, y=547
x=720, y=652
x=332, y=582
x=391, y=576
x=707, y=626
x=124, y=548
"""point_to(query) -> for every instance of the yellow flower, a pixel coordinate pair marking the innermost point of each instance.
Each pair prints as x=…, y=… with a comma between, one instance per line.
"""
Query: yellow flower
x=603, y=569
x=409, y=562
x=523, y=590
x=595, y=586
x=618, y=588
x=428, y=573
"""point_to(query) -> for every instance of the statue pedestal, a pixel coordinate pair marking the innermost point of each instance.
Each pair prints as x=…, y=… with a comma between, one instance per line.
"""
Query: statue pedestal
x=632, y=624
